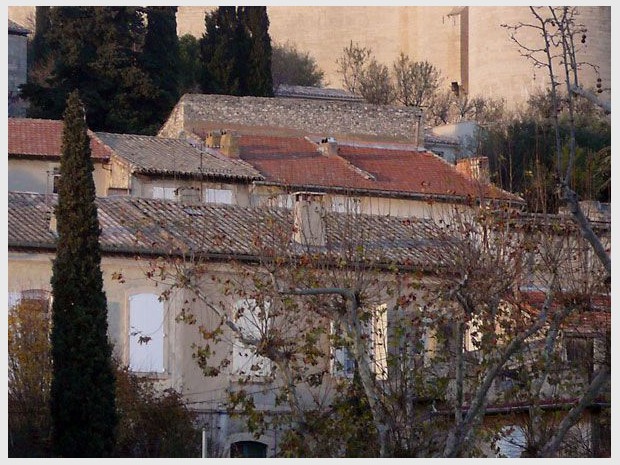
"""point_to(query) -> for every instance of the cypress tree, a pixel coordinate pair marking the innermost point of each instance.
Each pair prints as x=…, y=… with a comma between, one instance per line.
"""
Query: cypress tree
x=83, y=383
x=161, y=58
x=224, y=52
x=39, y=47
x=256, y=21
x=190, y=65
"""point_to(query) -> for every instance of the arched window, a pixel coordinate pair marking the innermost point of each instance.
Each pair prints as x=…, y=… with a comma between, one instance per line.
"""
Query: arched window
x=146, y=333
x=248, y=449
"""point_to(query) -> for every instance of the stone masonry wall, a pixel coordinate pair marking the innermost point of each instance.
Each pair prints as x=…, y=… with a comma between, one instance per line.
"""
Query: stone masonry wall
x=325, y=118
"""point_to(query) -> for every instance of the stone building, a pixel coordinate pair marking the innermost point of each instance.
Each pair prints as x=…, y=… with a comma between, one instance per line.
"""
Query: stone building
x=270, y=150
x=17, y=48
x=466, y=43
x=231, y=243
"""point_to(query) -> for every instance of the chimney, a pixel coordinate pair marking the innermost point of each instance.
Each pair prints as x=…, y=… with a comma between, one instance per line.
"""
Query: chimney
x=329, y=147
x=476, y=168
x=418, y=128
x=53, y=224
x=229, y=144
x=309, y=226
x=214, y=139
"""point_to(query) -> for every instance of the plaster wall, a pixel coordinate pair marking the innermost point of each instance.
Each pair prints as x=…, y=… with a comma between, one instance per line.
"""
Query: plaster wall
x=27, y=175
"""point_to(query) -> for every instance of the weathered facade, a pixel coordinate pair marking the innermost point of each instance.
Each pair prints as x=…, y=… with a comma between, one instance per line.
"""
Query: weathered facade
x=254, y=162
x=142, y=237
x=34, y=149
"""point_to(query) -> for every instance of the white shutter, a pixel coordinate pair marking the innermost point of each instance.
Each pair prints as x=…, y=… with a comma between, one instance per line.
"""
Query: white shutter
x=379, y=341
x=252, y=323
x=146, y=333
x=168, y=193
x=222, y=196
x=14, y=298
x=342, y=362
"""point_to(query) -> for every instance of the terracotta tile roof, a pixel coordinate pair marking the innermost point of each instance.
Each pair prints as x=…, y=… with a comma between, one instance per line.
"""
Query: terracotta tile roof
x=30, y=137
x=592, y=312
x=387, y=168
x=150, y=226
x=158, y=155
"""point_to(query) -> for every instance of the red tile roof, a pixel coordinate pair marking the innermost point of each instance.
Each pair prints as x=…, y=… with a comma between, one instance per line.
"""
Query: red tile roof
x=592, y=312
x=395, y=168
x=43, y=138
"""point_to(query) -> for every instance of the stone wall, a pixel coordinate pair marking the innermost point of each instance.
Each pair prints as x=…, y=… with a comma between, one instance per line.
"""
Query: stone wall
x=327, y=118
x=468, y=47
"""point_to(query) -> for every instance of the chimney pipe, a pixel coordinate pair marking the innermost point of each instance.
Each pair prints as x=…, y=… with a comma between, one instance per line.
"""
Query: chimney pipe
x=329, y=147
x=418, y=128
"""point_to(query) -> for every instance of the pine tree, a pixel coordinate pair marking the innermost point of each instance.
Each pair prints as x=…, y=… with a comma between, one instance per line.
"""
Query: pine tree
x=256, y=21
x=224, y=52
x=83, y=383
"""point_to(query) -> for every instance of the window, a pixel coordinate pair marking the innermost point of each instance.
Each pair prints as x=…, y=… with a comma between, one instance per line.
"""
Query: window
x=189, y=195
x=342, y=204
x=343, y=360
x=248, y=449
x=38, y=296
x=512, y=442
x=146, y=333
x=168, y=193
x=252, y=322
x=578, y=349
x=53, y=178
x=218, y=196
x=580, y=353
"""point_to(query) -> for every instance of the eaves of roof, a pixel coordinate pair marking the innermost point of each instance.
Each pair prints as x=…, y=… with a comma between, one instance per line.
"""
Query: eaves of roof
x=443, y=198
x=150, y=227
x=152, y=155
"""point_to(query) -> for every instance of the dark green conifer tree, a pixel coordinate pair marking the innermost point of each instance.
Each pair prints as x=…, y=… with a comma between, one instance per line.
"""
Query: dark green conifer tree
x=83, y=383
x=190, y=65
x=96, y=50
x=256, y=21
x=39, y=47
x=160, y=58
x=224, y=52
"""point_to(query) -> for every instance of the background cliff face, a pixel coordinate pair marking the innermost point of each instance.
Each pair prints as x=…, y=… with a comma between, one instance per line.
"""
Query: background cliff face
x=467, y=44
